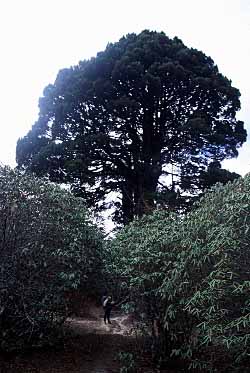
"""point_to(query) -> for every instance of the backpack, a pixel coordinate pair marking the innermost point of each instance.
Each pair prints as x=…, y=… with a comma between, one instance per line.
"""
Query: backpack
x=105, y=302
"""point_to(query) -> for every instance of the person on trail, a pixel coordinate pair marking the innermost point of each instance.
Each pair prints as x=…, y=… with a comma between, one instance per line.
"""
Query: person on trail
x=107, y=304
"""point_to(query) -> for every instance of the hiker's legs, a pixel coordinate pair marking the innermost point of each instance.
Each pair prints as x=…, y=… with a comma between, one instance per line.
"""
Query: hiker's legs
x=108, y=312
x=105, y=316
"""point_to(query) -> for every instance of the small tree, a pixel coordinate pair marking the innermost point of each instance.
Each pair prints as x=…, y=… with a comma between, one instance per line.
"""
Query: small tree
x=48, y=246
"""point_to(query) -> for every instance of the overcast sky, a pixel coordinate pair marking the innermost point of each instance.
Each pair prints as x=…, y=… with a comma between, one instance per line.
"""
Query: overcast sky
x=39, y=37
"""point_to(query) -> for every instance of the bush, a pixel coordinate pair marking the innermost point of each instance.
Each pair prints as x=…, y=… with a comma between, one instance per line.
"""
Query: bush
x=48, y=247
x=190, y=276
x=212, y=281
x=127, y=361
x=138, y=259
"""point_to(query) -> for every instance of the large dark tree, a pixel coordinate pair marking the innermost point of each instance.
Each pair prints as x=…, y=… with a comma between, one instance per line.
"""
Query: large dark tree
x=145, y=108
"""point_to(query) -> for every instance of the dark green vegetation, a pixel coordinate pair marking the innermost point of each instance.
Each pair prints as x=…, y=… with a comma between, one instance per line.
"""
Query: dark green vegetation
x=189, y=278
x=150, y=120
x=48, y=248
x=146, y=107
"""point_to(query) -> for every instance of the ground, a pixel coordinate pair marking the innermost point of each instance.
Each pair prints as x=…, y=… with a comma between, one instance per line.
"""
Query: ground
x=90, y=347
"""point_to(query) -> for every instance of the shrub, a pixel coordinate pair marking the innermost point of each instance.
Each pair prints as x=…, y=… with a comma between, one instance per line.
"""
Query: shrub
x=212, y=282
x=138, y=259
x=128, y=362
x=190, y=276
x=48, y=247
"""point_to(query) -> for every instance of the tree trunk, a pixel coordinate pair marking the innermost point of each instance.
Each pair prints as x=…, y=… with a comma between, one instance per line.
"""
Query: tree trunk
x=144, y=191
x=127, y=202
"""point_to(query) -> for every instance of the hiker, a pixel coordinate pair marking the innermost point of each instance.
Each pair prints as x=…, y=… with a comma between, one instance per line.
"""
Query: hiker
x=107, y=304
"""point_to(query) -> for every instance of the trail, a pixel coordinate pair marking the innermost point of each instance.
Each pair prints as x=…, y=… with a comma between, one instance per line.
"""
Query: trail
x=105, y=341
x=90, y=347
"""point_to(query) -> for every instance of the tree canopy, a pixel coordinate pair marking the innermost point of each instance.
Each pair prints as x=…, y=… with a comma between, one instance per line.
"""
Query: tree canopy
x=145, y=109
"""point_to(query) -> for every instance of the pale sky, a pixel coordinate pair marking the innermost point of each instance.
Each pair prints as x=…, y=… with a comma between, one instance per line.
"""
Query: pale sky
x=39, y=37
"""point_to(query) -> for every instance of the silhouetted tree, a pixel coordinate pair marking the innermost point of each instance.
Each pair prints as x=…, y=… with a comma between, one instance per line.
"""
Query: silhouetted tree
x=145, y=108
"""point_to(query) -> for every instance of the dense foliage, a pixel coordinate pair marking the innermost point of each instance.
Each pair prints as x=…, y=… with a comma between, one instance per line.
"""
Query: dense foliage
x=48, y=247
x=146, y=107
x=190, y=278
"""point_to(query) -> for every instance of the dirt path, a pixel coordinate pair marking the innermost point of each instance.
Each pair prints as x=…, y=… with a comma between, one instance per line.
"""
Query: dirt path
x=90, y=347
x=104, y=341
